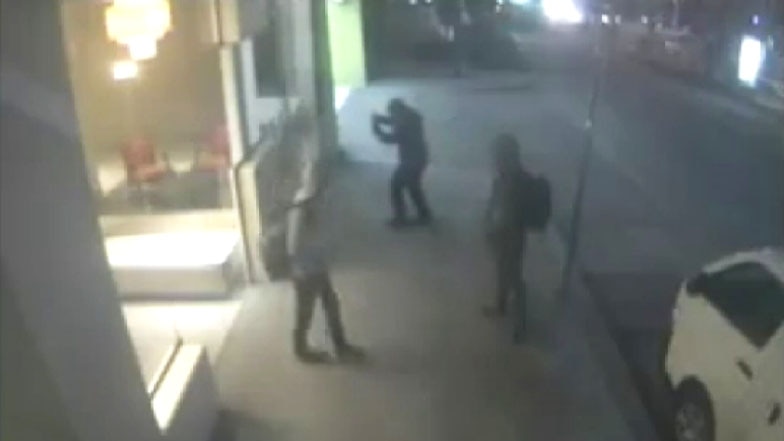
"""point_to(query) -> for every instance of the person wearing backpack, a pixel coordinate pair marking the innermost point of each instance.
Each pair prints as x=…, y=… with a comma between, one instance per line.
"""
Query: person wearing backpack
x=519, y=202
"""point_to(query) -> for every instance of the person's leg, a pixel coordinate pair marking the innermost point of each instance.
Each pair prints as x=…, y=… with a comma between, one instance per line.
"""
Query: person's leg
x=505, y=281
x=503, y=284
x=396, y=197
x=331, y=304
x=518, y=289
x=414, y=185
x=329, y=299
x=305, y=302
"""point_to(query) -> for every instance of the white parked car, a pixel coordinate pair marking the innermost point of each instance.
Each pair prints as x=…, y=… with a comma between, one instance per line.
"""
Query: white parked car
x=725, y=359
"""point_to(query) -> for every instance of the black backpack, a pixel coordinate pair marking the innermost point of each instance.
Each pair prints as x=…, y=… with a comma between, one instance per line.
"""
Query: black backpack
x=274, y=255
x=537, y=204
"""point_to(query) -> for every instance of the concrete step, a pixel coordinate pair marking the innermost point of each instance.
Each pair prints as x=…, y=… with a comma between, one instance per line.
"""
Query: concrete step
x=188, y=264
x=185, y=402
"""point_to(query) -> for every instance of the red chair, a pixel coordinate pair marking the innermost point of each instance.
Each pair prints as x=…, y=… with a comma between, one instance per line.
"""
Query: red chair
x=144, y=168
x=215, y=155
x=142, y=163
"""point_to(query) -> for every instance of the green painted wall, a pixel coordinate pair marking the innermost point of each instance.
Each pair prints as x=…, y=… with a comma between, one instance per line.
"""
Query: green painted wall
x=346, y=43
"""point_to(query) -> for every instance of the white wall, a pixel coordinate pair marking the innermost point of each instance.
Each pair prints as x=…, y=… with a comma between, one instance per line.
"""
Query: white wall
x=51, y=251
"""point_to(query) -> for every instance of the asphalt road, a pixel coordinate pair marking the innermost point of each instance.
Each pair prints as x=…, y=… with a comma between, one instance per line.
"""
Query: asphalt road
x=682, y=173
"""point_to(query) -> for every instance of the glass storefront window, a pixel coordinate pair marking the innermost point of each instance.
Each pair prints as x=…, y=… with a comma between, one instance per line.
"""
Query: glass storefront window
x=152, y=116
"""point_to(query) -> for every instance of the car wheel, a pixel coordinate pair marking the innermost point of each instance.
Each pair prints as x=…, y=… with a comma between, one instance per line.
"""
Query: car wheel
x=693, y=418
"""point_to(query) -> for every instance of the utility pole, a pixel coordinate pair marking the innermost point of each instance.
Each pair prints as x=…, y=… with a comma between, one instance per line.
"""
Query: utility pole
x=604, y=46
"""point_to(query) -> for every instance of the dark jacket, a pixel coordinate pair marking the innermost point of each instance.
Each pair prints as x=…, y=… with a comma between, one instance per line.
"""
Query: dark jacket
x=504, y=217
x=408, y=133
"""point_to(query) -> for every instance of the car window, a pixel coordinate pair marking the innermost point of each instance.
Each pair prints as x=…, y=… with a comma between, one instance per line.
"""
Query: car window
x=751, y=298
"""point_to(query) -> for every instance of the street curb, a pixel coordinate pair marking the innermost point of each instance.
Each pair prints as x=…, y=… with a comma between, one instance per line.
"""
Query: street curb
x=616, y=374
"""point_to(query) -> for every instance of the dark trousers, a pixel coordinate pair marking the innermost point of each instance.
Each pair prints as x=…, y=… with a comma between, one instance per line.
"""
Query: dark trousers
x=509, y=251
x=309, y=289
x=408, y=178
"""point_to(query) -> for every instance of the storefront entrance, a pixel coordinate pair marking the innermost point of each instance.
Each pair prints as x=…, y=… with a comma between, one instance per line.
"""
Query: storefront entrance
x=148, y=84
x=157, y=147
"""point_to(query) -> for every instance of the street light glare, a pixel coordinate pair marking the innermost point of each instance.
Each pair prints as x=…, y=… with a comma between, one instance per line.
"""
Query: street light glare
x=562, y=11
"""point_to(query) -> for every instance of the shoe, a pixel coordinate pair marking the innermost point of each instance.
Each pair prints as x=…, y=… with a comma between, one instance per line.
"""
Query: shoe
x=350, y=353
x=493, y=312
x=311, y=356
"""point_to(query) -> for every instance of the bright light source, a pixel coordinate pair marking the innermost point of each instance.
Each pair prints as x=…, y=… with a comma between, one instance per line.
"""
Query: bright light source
x=562, y=11
x=128, y=19
x=341, y=95
x=181, y=249
x=521, y=2
x=750, y=59
x=644, y=19
x=142, y=48
x=755, y=20
x=605, y=19
x=138, y=24
x=125, y=70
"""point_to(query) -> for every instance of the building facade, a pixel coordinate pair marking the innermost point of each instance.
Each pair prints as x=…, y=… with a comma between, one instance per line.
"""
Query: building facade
x=145, y=144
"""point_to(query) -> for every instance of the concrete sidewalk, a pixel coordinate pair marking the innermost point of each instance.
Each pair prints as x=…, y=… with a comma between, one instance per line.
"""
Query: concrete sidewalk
x=437, y=369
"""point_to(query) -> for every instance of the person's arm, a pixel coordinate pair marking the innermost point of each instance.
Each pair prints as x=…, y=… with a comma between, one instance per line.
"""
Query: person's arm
x=387, y=137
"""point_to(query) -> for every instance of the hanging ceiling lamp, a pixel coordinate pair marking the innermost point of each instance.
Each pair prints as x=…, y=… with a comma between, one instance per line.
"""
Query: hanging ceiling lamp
x=138, y=24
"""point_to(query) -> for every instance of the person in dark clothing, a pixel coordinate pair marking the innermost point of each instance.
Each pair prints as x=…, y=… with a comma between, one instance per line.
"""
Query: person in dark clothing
x=505, y=226
x=311, y=280
x=404, y=127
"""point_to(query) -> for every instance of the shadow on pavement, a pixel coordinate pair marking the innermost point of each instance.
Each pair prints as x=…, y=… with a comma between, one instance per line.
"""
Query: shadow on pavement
x=637, y=308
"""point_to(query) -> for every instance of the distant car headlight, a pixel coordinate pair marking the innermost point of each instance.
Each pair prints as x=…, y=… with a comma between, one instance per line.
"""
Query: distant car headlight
x=750, y=59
